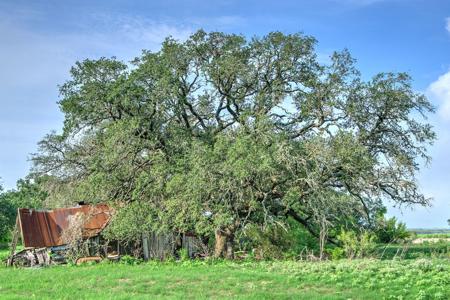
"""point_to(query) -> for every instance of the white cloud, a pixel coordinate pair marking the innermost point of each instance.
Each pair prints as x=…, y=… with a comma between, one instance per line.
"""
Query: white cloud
x=439, y=91
x=447, y=24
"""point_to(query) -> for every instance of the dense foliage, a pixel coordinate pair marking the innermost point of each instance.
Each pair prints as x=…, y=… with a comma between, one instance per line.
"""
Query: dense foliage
x=28, y=194
x=219, y=132
x=390, y=231
x=6, y=216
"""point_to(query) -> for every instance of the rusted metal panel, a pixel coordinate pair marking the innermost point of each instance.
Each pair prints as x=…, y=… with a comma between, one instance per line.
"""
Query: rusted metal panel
x=44, y=228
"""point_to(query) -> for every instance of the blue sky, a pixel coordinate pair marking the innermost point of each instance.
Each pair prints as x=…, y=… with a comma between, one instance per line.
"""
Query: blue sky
x=41, y=40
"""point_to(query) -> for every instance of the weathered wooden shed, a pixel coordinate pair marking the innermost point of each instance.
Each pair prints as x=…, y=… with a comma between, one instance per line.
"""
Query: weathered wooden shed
x=44, y=229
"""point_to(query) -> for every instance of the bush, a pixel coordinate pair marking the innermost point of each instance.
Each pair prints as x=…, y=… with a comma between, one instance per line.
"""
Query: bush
x=390, y=231
x=277, y=241
x=72, y=237
x=356, y=245
x=337, y=253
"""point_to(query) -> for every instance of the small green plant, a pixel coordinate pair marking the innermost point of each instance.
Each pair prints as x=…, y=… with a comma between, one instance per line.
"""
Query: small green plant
x=183, y=254
x=130, y=260
x=337, y=253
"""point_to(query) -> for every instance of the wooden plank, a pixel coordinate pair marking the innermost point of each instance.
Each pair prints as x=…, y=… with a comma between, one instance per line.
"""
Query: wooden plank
x=160, y=246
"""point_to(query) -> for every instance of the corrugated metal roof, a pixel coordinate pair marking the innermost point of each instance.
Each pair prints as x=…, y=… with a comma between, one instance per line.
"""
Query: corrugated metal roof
x=44, y=228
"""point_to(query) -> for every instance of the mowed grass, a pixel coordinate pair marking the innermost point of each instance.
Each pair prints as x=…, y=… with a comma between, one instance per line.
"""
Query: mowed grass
x=359, y=279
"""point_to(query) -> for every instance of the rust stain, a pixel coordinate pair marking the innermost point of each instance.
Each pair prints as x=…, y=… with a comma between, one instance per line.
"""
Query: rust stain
x=44, y=228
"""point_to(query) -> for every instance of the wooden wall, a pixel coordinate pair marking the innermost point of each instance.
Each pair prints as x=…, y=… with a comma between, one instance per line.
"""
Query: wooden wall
x=163, y=246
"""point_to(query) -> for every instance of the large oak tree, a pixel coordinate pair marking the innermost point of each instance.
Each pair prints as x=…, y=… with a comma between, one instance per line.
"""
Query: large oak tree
x=218, y=131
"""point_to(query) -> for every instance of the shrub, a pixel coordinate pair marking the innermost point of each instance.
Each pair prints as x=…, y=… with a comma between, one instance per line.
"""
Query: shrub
x=72, y=236
x=390, y=231
x=277, y=241
x=337, y=253
x=356, y=245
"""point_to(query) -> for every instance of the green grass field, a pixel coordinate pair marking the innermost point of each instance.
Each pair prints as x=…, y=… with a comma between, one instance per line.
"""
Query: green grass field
x=359, y=279
x=414, y=251
x=433, y=235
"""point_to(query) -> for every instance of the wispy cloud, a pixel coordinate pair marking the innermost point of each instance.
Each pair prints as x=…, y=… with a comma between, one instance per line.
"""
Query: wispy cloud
x=439, y=91
x=141, y=30
x=358, y=2
x=447, y=24
x=218, y=23
x=34, y=60
x=36, y=56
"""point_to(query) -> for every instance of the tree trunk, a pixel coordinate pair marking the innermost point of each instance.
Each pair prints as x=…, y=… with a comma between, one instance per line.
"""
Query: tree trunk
x=230, y=246
x=220, y=242
x=322, y=238
x=224, y=245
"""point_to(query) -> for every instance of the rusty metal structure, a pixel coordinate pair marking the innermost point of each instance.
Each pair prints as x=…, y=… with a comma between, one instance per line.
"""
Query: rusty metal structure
x=42, y=236
x=41, y=229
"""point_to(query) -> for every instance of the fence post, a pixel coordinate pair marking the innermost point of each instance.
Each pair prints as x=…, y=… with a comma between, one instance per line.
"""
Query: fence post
x=145, y=246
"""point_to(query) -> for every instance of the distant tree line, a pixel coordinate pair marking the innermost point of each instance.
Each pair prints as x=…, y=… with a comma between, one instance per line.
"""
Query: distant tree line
x=28, y=194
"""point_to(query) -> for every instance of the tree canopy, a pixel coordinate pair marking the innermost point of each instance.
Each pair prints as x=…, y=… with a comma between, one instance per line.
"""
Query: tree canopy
x=220, y=131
